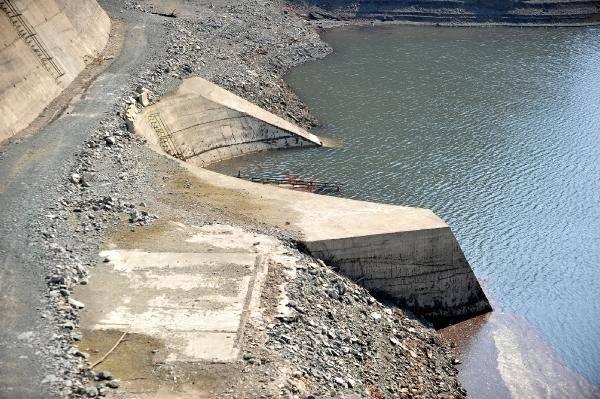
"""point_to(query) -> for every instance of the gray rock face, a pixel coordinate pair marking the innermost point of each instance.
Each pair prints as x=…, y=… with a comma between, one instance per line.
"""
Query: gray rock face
x=456, y=12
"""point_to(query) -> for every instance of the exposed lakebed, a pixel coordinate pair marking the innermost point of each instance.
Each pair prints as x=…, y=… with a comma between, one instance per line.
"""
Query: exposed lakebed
x=498, y=131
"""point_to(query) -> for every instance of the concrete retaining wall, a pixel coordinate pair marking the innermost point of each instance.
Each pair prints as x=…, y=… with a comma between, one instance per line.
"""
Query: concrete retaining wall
x=407, y=254
x=423, y=270
x=202, y=123
x=44, y=45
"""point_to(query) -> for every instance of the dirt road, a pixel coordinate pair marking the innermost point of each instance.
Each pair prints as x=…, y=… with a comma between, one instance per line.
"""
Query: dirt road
x=31, y=169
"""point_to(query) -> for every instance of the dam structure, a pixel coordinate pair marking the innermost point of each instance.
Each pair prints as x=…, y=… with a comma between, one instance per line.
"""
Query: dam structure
x=405, y=254
x=43, y=47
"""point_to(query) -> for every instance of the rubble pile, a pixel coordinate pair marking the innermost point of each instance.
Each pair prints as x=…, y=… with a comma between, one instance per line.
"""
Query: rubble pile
x=345, y=343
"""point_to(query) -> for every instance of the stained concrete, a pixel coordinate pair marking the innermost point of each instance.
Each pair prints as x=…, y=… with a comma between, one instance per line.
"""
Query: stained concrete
x=203, y=123
x=194, y=301
x=44, y=45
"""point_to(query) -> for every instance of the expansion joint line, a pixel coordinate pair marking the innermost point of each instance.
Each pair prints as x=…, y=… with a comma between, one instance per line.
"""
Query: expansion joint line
x=165, y=137
x=30, y=37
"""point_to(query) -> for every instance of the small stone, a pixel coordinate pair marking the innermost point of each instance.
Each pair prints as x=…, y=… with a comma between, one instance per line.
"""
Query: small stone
x=68, y=325
x=50, y=378
x=376, y=316
x=81, y=354
x=287, y=339
x=134, y=215
x=143, y=99
x=75, y=178
x=114, y=384
x=340, y=381
x=91, y=392
x=105, y=375
x=56, y=279
x=394, y=341
x=351, y=383
x=110, y=140
x=76, y=304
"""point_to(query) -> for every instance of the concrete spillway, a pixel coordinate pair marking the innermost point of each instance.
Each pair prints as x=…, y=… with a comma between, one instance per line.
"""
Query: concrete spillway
x=44, y=45
x=407, y=254
x=202, y=123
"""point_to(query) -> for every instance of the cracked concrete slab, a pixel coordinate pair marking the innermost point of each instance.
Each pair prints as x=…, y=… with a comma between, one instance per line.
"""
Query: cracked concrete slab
x=195, y=301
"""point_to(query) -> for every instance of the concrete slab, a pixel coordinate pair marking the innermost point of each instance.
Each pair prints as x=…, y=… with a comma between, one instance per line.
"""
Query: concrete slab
x=195, y=302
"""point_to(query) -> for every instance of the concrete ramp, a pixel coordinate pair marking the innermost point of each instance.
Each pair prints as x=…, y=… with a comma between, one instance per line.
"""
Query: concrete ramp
x=203, y=123
x=192, y=288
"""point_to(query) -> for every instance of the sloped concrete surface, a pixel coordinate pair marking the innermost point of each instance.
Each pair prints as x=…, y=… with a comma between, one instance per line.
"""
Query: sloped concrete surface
x=407, y=254
x=44, y=45
x=204, y=123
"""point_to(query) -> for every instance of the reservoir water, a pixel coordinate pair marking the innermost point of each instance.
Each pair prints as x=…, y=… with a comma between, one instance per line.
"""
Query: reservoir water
x=498, y=131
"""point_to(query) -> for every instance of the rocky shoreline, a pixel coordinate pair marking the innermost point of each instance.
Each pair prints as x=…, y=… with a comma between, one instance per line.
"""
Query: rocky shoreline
x=452, y=13
x=336, y=340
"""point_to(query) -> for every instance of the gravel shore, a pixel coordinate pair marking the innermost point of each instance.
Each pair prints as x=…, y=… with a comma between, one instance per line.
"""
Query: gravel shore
x=336, y=340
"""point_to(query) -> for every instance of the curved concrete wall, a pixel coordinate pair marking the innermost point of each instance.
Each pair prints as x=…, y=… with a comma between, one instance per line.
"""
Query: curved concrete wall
x=203, y=123
x=44, y=45
x=408, y=254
